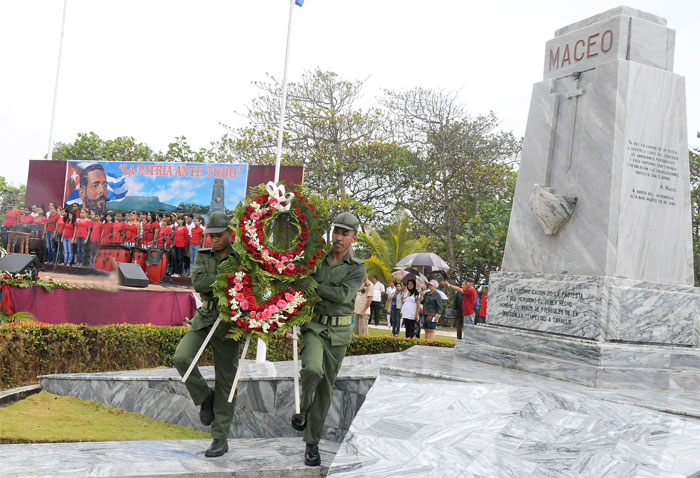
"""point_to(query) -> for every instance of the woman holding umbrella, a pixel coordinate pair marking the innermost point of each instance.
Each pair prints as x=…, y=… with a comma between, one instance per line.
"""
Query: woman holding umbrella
x=410, y=300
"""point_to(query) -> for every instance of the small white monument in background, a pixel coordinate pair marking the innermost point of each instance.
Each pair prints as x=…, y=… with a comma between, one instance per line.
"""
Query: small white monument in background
x=598, y=266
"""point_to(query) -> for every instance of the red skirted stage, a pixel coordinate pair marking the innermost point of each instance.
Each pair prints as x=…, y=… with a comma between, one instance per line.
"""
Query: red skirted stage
x=156, y=305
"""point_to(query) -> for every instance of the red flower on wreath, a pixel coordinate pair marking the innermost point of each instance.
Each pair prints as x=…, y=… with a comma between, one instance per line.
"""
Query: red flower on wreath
x=265, y=317
x=289, y=263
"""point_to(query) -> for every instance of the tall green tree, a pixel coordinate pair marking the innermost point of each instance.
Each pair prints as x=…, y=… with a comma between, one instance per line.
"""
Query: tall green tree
x=390, y=245
x=90, y=147
x=458, y=163
x=342, y=146
x=11, y=194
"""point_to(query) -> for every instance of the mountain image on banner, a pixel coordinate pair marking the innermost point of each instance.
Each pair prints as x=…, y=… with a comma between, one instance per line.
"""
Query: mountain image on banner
x=116, y=181
x=140, y=203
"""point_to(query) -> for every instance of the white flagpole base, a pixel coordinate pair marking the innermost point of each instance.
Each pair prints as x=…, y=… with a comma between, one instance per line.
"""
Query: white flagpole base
x=295, y=353
x=238, y=370
x=201, y=350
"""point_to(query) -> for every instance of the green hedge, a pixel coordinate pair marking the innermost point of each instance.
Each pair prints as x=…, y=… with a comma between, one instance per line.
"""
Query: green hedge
x=29, y=349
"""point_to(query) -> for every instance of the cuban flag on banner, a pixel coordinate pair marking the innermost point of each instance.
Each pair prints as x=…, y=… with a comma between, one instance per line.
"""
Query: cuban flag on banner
x=116, y=181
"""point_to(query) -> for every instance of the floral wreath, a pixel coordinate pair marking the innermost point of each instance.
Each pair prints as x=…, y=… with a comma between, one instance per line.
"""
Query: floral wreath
x=271, y=290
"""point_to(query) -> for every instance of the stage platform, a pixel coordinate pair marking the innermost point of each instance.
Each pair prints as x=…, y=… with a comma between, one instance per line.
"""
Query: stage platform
x=103, y=301
x=248, y=458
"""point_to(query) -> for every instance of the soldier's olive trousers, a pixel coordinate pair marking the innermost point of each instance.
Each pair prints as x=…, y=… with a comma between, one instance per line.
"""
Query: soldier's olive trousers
x=320, y=363
x=225, y=363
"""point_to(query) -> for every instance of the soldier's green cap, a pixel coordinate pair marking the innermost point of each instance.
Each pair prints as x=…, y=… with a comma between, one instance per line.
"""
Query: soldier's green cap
x=218, y=222
x=346, y=221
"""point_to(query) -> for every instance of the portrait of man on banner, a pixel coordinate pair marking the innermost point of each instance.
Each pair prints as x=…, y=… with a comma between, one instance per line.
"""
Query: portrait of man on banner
x=93, y=188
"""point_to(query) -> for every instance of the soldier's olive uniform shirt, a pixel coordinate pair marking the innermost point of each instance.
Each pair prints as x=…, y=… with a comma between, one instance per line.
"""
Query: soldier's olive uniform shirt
x=204, y=274
x=324, y=345
x=225, y=350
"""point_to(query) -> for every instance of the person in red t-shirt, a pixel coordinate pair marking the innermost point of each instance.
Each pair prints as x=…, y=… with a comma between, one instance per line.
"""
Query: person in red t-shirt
x=180, y=243
x=67, y=237
x=51, y=223
x=95, y=235
x=132, y=229
x=11, y=216
x=107, y=229
x=197, y=234
x=469, y=302
x=484, y=303
x=149, y=230
x=165, y=234
x=26, y=217
x=118, y=230
x=82, y=235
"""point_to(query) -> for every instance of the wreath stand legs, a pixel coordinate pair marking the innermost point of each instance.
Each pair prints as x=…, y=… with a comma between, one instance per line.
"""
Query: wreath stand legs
x=295, y=339
x=201, y=350
x=238, y=370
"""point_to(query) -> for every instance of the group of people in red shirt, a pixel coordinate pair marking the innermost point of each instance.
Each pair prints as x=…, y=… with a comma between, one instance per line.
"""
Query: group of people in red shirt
x=73, y=235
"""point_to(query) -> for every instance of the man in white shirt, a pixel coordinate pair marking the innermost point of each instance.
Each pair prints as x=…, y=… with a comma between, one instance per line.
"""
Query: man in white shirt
x=376, y=310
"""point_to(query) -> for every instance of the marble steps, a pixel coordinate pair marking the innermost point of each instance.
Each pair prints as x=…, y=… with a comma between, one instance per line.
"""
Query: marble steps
x=477, y=429
x=264, y=404
x=247, y=458
x=595, y=364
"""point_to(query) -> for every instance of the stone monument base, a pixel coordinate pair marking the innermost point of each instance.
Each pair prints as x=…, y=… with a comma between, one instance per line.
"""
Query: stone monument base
x=588, y=362
x=598, y=308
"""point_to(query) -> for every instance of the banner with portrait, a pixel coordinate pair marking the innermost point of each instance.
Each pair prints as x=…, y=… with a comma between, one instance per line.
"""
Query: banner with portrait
x=156, y=187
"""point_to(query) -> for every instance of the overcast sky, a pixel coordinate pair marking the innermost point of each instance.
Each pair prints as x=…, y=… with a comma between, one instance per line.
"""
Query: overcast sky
x=156, y=69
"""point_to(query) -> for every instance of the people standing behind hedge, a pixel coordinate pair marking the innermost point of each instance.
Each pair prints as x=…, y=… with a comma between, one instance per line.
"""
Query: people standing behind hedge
x=67, y=237
x=469, y=302
x=432, y=309
x=363, y=302
x=459, y=317
x=395, y=309
x=390, y=289
x=180, y=243
x=376, y=309
x=484, y=303
x=410, y=303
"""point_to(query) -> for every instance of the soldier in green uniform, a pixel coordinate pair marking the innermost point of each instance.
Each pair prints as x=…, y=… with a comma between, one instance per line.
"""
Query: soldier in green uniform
x=326, y=337
x=214, y=407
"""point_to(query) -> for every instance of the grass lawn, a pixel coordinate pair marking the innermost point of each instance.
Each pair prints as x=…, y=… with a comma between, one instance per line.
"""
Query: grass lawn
x=438, y=338
x=45, y=417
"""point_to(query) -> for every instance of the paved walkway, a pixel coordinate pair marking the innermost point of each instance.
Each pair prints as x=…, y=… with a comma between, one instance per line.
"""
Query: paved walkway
x=278, y=457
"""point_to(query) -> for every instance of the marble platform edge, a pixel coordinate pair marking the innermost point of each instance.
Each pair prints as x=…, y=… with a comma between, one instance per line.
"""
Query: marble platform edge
x=657, y=406
x=281, y=457
x=618, y=377
x=675, y=358
x=19, y=393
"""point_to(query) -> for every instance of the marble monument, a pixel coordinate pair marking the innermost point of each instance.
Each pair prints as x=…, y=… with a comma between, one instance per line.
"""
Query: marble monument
x=599, y=244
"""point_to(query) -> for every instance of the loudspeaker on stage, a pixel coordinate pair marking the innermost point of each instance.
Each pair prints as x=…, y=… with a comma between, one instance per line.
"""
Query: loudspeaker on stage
x=131, y=275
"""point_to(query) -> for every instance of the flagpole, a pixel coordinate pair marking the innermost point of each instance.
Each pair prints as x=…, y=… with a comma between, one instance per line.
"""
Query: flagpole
x=58, y=74
x=261, y=350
